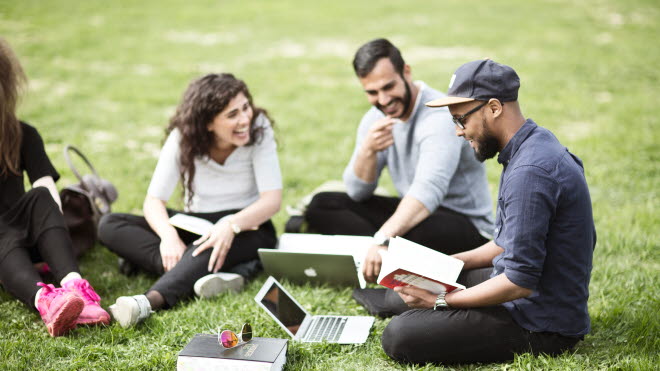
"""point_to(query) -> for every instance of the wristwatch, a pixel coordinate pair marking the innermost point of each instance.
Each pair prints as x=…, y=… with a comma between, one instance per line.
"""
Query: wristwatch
x=234, y=227
x=381, y=239
x=440, y=301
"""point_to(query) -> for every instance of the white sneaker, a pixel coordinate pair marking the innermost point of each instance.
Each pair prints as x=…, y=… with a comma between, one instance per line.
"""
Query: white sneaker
x=213, y=284
x=130, y=310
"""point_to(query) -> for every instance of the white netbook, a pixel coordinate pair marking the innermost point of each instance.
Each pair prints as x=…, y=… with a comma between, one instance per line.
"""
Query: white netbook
x=302, y=326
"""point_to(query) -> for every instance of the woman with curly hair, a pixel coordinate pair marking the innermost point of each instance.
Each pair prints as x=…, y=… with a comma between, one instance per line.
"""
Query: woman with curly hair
x=222, y=149
x=32, y=227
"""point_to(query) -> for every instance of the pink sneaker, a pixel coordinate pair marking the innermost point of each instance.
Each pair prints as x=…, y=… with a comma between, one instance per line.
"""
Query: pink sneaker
x=59, y=309
x=92, y=314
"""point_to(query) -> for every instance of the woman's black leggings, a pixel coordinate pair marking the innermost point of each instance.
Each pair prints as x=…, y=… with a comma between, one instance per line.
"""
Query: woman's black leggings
x=17, y=272
x=130, y=237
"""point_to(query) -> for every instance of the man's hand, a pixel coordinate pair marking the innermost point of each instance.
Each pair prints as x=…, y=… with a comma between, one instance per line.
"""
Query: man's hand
x=171, y=250
x=379, y=135
x=220, y=238
x=416, y=297
x=372, y=263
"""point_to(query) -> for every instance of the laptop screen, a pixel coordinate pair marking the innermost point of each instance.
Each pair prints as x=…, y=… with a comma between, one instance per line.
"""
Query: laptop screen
x=283, y=308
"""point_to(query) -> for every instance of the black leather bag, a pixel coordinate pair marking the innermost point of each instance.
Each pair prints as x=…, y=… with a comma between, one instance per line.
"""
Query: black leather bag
x=84, y=203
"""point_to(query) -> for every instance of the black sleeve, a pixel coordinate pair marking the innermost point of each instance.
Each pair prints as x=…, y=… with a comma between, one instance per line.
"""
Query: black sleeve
x=34, y=159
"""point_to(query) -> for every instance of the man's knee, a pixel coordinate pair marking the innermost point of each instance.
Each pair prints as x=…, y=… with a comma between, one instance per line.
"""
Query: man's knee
x=327, y=201
x=399, y=339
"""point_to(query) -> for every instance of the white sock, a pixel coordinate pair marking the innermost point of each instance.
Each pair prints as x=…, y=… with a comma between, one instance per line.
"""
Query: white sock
x=36, y=298
x=69, y=277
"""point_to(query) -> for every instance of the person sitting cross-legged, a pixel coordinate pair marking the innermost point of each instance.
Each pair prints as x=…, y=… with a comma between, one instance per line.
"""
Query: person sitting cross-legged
x=534, y=298
x=222, y=149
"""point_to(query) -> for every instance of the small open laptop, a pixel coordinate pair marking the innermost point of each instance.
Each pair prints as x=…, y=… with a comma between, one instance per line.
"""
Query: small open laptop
x=302, y=326
x=316, y=268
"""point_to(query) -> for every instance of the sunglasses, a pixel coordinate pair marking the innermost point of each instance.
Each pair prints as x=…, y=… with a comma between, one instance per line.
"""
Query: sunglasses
x=229, y=339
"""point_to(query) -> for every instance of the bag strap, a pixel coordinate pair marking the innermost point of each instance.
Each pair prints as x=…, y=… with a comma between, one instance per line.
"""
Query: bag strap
x=70, y=148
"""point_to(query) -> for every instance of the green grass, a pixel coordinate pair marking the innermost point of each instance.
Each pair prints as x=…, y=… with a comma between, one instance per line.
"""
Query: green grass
x=105, y=76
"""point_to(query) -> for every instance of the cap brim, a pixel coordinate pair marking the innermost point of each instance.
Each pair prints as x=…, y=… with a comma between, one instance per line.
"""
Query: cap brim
x=448, y=101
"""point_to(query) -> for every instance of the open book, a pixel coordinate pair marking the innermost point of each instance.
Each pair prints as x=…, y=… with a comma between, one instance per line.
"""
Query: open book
x=191, y=224
x=406, y=263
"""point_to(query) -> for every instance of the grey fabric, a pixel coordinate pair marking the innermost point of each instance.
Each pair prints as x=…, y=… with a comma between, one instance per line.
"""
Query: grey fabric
x=429, y=163
x=236, y=184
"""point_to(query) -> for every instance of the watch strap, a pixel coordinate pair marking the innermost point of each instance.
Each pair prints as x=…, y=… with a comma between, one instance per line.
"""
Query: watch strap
x=440, y=301
x=381, y=239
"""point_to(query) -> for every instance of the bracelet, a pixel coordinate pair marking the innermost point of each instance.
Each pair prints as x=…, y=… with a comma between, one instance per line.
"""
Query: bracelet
x=234, y=227
x=381, y=239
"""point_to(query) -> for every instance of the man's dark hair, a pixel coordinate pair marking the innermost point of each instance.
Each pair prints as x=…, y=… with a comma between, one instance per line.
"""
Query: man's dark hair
x=371, y=52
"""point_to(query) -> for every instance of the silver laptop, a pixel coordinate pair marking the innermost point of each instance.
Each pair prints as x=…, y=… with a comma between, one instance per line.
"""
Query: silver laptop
x=316, y=268
x=302, y=326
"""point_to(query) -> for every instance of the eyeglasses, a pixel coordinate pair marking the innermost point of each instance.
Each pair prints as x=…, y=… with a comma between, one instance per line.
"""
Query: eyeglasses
x=460, y=120
x=229, y=339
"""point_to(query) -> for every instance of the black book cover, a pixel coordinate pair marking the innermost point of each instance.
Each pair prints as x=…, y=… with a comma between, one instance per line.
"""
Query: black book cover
x=257, y=349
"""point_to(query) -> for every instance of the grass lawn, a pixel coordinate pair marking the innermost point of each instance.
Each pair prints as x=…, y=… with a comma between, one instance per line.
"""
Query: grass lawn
x=106, y=76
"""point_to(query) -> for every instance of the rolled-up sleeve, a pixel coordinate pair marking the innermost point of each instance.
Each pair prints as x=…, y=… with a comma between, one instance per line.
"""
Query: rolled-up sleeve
x=439, y=154
x=526, y=210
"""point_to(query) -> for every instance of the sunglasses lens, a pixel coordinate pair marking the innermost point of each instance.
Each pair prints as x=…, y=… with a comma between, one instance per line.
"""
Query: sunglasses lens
x=246, y=332
x=228, y=339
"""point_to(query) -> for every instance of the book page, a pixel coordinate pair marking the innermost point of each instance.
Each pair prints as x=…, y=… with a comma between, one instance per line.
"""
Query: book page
x=191, y=223
x=424, y=261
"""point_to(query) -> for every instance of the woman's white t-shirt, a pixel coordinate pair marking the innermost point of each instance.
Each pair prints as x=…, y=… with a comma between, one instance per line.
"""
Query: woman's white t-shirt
x=247, y=171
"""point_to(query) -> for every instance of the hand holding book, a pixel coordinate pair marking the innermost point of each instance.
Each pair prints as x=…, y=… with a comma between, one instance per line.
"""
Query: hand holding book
x=409, y=264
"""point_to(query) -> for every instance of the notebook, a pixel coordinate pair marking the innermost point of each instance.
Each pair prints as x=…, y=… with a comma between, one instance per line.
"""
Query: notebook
x=302, y=326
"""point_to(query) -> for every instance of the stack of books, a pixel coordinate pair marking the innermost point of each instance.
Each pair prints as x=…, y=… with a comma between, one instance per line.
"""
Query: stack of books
x=205, y=353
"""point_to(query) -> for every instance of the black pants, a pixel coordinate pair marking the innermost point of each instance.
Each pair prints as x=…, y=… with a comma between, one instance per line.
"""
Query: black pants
x=473, y=335
x=53, y=246
x=444, y=230
x=130, y=237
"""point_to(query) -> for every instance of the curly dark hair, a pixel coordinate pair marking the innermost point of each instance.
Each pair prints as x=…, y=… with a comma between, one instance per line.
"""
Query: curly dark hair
x=204, y=99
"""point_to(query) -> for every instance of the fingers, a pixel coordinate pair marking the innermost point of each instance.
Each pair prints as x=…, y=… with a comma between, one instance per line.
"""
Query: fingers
x=217, y=258
x=202, y=247
x=212, y=259
x=202, y=239
x=376, y=267
x=221, y=259
x=384, y=123
x=368, y=273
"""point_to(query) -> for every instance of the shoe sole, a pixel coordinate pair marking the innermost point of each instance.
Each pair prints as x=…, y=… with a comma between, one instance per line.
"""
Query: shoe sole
x=122, y=312
x=215, y=285
x=66, y=316
x=101, y=320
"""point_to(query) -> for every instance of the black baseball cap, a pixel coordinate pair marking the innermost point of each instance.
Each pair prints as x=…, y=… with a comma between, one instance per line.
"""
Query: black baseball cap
x=480, y=80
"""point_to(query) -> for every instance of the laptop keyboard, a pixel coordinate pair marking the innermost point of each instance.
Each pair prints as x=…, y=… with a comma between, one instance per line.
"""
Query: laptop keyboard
x=325, y=328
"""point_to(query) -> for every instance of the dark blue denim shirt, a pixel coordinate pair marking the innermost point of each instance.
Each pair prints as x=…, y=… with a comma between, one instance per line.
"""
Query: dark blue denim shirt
x=545, y=225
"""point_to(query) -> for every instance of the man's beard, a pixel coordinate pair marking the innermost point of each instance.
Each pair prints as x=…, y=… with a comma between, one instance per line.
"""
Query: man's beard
x=487, y=145
x=405, y=101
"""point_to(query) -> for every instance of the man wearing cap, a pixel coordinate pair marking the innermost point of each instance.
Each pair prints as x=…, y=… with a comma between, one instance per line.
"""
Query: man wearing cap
x=444, y=201
x=534, y=298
